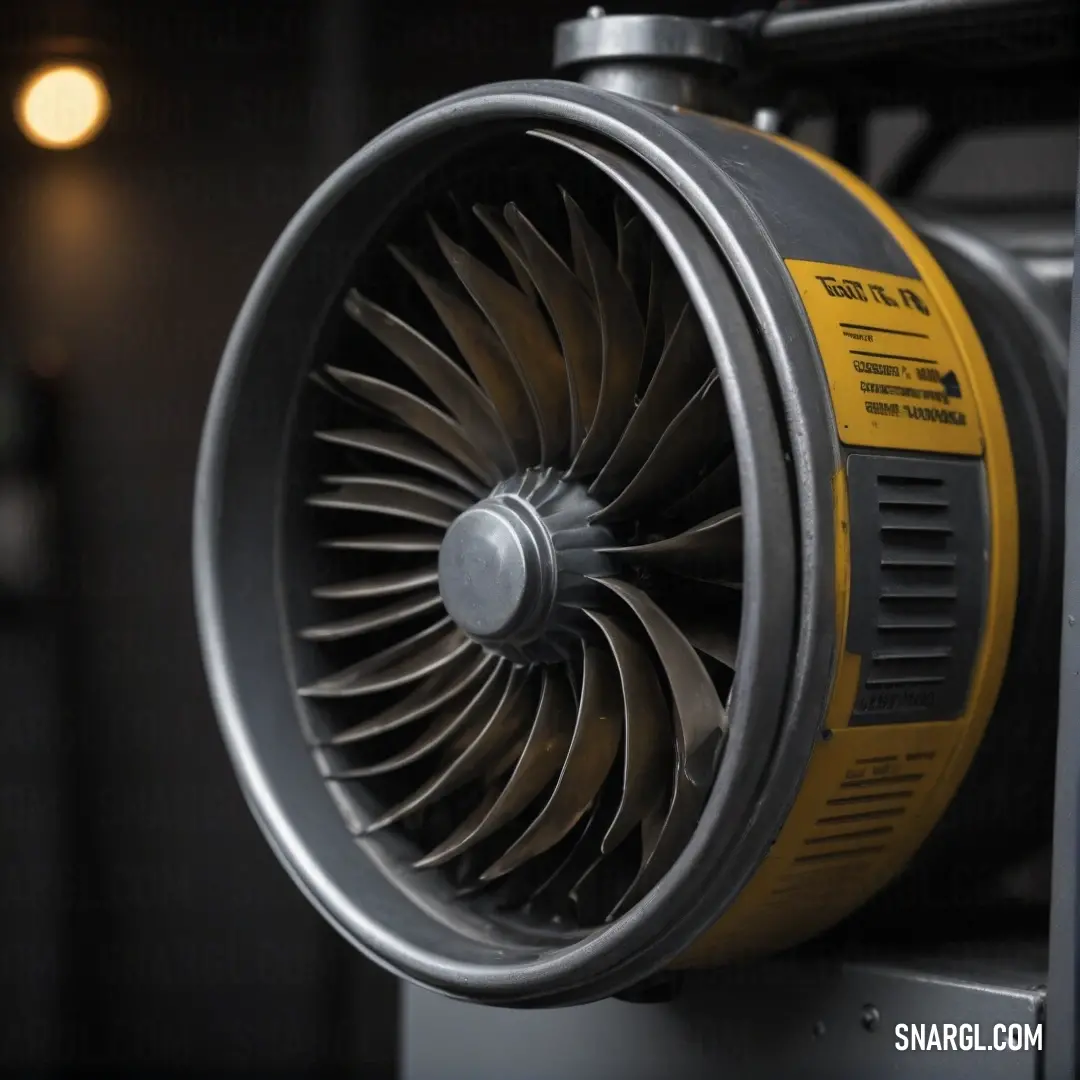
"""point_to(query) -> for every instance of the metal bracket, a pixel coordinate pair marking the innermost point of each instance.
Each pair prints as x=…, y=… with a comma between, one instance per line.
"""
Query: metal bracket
x=666, y=59
x=777, y=56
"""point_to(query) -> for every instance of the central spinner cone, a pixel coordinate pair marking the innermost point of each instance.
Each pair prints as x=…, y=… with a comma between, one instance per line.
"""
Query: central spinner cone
x=513, y=569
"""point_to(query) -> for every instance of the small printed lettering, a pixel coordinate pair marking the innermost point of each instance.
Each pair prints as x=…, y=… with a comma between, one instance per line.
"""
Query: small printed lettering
x=848, y=287
x=936, y=416
x=914, y=301
x=903, y=391
x=867, y=291
x=865, y=367
x=893, y=700
x=882, y=297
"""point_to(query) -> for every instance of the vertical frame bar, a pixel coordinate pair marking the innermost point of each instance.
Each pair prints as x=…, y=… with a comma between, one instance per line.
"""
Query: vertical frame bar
x=1063, y=984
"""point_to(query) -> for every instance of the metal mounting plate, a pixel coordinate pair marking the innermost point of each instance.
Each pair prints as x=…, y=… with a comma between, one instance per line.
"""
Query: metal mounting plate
x=798, y=1016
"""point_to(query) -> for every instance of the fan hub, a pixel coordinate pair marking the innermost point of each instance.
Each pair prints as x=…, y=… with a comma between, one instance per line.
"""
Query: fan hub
x=513, y=568
x=497, y=570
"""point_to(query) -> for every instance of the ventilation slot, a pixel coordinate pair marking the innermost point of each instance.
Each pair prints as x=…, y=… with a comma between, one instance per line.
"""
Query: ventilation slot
x=917, y=589
x=854, y=826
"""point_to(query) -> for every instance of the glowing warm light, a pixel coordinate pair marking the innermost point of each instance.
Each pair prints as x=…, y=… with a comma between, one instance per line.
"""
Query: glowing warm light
x=62, y=106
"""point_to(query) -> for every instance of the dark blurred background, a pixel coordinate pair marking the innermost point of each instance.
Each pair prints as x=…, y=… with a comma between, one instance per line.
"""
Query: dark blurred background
x=144, y=924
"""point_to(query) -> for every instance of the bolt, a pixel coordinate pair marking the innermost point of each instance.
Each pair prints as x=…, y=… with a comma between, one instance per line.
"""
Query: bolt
x=1072, y=620
x=870, y=1018
x=595, y=12
x=819, y=1028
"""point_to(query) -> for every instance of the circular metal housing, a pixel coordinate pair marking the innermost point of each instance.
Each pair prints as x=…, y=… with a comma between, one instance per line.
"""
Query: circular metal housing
x=739, y=216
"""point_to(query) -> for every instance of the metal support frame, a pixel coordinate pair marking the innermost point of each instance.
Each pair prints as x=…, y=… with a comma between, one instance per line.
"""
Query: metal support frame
x=1063, y=1006
x=801, y=1015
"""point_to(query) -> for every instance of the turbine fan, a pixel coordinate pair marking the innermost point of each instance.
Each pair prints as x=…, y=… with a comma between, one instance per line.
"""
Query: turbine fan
x=532, y=524
x=655, y=596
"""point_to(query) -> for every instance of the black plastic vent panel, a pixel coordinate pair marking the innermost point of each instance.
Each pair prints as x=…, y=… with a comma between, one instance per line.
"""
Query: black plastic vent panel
x=919, y=563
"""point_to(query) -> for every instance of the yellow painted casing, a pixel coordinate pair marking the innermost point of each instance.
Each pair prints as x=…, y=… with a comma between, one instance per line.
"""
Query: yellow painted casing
x=871, y=794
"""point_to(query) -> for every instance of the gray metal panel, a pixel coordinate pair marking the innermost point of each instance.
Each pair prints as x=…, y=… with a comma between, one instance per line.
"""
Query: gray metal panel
x=800, y=1018
x=1062, y=1051
x=808, y=215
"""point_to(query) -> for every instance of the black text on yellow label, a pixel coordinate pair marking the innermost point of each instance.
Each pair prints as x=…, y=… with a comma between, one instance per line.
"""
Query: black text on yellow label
x=895, y=374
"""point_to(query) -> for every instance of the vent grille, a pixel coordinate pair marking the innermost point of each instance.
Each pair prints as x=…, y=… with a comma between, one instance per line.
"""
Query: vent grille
x=918, y=584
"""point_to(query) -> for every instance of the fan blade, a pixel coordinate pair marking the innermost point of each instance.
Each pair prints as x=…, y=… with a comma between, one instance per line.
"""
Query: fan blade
x=646, y=734
x=593, y=747
x=667, y=842
x=360, y=680
x=712, y=548
x=510, y=716
x=583, y=850
x=525, y=336
x=388, y=655
x=540, y=761
x=654, y=325
x=530, y=481
x=444, y=378
x=382, y=500
x=672, y=297
x=508, y=244
x=575, y=322
x=396, y=542
x=699, y=714
x=718, y=490
x=465, y=829
x=456, y=500
x=494, y=770
x=487, y=359
x=583, y=536
x=423, y=418
x=379, y=585
x=408, y=449
x=622, y=338
x=686, y=441
x=633, y=258
x=548, y=484
x=548, y=492
x=579, y=251
x=323, y=383
x=441, y=729
x=683, y=367
x=422, y=701
x=402, y=611
x=665, y=293
x=514, y=485
x=720, y=644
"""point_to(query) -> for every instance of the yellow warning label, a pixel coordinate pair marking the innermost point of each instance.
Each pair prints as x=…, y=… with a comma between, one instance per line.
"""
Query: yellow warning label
x=896, y=377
